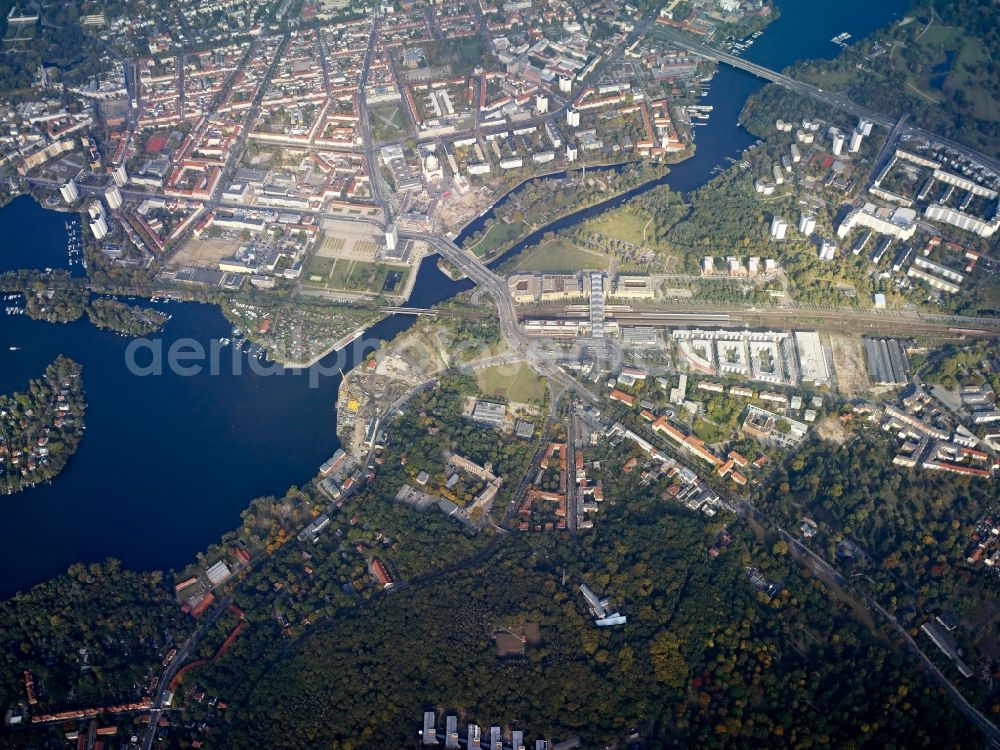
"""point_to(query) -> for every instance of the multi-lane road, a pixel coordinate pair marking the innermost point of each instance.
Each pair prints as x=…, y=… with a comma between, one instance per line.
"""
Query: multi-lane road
x=496, y=287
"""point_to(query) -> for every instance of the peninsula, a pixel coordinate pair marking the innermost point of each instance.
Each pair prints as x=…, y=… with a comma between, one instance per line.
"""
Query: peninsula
x=41, y=427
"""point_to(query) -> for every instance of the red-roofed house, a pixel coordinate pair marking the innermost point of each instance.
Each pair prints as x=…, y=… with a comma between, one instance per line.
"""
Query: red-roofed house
x=626, y=399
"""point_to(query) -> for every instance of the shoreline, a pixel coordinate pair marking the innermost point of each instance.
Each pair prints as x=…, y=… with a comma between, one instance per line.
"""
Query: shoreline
x=336, y=346
x=503, y=196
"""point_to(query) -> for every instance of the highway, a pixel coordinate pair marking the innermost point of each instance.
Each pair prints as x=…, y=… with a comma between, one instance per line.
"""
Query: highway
x=682, y=40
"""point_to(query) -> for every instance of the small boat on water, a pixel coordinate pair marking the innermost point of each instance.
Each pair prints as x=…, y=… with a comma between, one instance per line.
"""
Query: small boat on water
x=14, y=348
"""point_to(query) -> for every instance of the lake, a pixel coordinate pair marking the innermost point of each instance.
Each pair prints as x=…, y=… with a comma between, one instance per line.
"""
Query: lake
x=169, y=462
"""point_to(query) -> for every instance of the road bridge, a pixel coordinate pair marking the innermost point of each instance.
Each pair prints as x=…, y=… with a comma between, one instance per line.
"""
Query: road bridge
x=682, y=40
x=433, y=312
x=496, y=287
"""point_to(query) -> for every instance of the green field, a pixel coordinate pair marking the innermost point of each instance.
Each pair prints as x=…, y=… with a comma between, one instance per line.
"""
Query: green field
x=969, y=56
x=498, y=236
x=708, y=432
x=557, y=256
x=339, y=274
x=367, y=276
x=318, y=266
x=512, y=382
x=621, y=224
x=352, y=275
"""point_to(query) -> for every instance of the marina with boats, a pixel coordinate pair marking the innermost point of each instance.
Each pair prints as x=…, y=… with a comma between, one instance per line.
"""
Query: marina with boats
x=737, y=47
x=74, y=245
x=841, y=40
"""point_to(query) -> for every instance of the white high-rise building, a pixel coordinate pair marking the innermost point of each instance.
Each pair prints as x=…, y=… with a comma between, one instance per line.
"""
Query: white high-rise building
x=120, y=176
x=99, y=227
x=856, y=137
x=541, y=103
x=572, y=118
x=865, y=126
x=807, y=224
x=113, y=196
x=838, y=142
x=69, y=192
x=565, y=84
x=391, y=237
x=778, y=228
x=570, y=152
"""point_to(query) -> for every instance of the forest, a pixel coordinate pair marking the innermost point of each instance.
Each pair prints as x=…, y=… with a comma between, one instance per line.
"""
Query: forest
x=56, y=305
x=704, y=661
x=68, y=305
x=326, y=659
x=912, y=530
x=88, y=637
x=129, y=320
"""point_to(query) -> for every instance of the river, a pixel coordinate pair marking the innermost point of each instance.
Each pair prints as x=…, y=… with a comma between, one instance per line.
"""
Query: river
x=168, y=462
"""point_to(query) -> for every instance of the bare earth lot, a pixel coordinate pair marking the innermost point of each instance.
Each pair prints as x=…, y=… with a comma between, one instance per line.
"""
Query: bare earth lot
x=849, y=362
x=203, y=253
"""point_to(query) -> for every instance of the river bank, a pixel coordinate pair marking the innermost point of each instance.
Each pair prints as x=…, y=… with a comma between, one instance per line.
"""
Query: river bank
x=170, y=460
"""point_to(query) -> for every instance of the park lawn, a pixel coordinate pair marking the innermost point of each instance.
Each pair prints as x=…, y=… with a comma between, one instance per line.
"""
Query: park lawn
x=621, y=224
x=357, y=275
x=919, y=86
x=948, y=37
x=367, y=276
x=832, y=80
x=387, y=122
x=970, y=55
x=340, y=274
x=512, y=382
x=558, y=256
x=988, y=298
x=708, y=432
x=498, y=236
